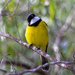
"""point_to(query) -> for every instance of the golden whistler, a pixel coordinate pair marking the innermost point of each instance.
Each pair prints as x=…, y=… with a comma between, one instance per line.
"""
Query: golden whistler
x=37, y=35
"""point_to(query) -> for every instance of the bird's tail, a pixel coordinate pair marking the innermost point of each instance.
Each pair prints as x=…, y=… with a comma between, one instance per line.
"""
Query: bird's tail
x=44, y=60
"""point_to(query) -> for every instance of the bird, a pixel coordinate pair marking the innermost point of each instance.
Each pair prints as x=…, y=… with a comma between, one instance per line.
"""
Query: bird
x=37, y=35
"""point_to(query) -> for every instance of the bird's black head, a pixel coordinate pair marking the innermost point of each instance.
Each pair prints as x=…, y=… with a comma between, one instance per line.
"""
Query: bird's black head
x=30, y=16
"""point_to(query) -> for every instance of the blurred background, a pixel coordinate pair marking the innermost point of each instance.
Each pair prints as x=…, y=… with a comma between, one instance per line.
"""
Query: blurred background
x=13, y=13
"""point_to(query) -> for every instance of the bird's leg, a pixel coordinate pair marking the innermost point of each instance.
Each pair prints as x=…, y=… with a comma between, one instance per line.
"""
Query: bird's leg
x=30, y=45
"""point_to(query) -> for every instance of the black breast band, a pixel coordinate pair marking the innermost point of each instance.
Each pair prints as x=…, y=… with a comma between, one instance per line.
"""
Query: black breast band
x=36, y=23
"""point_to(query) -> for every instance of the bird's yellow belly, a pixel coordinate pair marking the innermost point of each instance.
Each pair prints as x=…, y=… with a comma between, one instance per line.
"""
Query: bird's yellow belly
x=37, y=36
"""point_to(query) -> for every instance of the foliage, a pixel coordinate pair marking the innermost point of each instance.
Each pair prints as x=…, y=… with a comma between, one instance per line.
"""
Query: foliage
x=53, y=12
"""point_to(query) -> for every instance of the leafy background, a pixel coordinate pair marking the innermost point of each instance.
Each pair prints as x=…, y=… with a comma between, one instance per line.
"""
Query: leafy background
x=13, y=14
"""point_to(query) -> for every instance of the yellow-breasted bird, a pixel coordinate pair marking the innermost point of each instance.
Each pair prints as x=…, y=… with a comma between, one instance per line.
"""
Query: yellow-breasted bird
x=37, y=35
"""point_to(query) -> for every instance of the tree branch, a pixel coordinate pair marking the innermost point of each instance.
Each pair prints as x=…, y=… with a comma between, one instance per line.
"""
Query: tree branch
x=39, y=67
x=66, y=66
x=23, y=65
x=59, y=36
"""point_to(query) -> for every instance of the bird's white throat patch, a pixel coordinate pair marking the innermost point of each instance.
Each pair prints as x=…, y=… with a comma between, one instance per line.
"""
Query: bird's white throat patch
x=35, y=19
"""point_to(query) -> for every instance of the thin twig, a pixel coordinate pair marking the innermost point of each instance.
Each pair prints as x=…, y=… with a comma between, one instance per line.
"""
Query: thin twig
x=6, y=4
x=16, y=7
x=13, y=11
x=6, y=58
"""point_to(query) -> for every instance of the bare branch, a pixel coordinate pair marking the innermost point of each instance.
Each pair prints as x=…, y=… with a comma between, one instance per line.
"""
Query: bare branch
x=23, y=65
x=20, y=64
x=16, y=7
x=59, y=36
x=39, y=67
x=13, y=11
x=6, y=4
x=66, y=66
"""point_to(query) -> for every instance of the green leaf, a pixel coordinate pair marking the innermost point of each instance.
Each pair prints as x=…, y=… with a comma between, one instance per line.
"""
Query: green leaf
x=52, y=9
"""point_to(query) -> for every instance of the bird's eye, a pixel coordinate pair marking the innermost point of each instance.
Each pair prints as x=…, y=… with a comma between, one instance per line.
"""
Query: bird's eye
x=30, y=16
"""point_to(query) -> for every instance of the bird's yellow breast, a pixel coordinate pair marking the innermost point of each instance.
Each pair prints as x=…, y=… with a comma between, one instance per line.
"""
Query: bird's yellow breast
x=37, y=35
